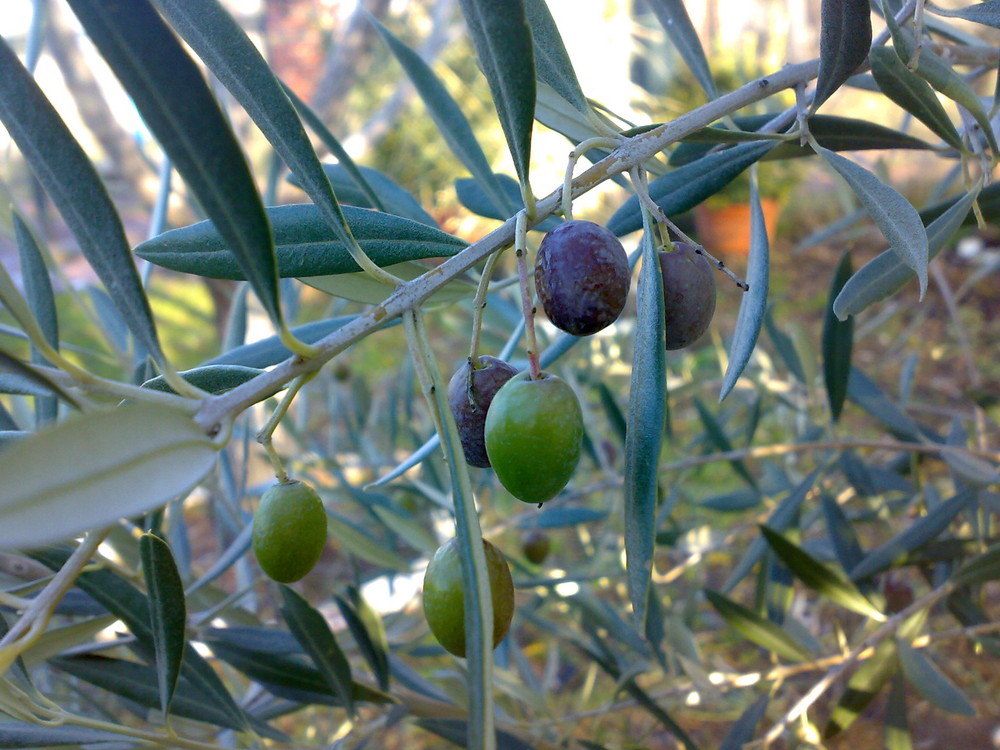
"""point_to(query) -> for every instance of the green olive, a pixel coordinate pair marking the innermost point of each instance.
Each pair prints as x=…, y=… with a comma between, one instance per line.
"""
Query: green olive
x=289, y=531
x=444, y=595
x=534, y=431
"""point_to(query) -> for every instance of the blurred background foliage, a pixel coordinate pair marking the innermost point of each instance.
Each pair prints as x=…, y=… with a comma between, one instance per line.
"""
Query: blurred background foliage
x=574, y=666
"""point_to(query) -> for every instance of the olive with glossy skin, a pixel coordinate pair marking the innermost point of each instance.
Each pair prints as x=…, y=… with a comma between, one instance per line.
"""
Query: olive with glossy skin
x=289, y=531
x=444, y=595
x=688, y=295
x=582, y=277
x=534, y=430
x=470, y=399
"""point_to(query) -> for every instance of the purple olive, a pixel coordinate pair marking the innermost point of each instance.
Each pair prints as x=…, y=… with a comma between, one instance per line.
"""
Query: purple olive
x=470, y=397
x=688, y=295
x=582, y=277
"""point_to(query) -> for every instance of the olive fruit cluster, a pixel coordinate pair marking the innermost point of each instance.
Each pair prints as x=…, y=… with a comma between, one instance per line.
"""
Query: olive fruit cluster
x=444, y=595
x=289, y=531
x=529, y=430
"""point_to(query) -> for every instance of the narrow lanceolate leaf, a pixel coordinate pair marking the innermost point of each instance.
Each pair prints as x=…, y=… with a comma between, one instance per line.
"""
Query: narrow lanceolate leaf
x=447, y=115
x=685, y=187
x=870, y=677
x=897, y=729
x=37, y=284
x=912, y=93
x=167, y=613
x=132, y=607
x=743, y=730
x=471, y=195
x=271, y=351
x=22, y=734
x=234, y=59
x=819, y=577
x=552, y=64
x=674, y=19
x=919, y=533
x=211, y=378
x=753, y=304
x=986, y=13
x=830, y=131
x=891, y=212
x=306, y=246
x=137, y=683
x=980, y=569
x=885, y=274
x=779, y=520
x=502, y=38
x=30, y=381
x=70, y=179
x=845, y=34
x=764, y=633
x=842, y=534
x=361, y=287
x=838, y=341
x=941, y=75
x=312, y=631
x=136, y=458
x=380, y=193
x=717, y=435
x=646, y=415
x=177, y=106
x=931, y=682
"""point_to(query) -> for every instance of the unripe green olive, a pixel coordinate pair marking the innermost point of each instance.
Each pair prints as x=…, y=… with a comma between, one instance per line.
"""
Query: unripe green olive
x=688, y=295
x=534, y=431
x=470, y=393
x=289, y=531
x=444, y=595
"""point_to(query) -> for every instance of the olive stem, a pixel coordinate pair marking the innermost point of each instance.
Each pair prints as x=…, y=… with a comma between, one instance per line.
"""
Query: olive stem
x=650, y=205
x=264, y=436
x=574, y=156
x=527, y=305
x=479, y=304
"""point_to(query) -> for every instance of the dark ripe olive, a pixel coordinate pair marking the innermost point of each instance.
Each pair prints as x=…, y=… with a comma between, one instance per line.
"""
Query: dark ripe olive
x=469, y=399
x=536, y=546
x=688, y=295
x=582, y=277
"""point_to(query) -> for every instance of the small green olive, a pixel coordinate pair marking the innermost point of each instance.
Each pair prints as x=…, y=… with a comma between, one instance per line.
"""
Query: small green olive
x=289, y=531
x=444, y=595
x=534, y=431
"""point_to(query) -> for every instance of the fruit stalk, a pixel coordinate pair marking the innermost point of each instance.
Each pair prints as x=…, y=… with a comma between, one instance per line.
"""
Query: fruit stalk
x=527, y=305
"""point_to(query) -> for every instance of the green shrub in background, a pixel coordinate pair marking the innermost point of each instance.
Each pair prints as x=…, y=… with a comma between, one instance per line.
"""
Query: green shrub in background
x=757, y=571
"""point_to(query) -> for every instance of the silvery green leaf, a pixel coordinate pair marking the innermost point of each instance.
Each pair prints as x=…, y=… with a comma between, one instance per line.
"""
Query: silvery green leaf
x=891, y=212
x=646, y=415
x=931, y=682
x=845, y=34
x=128, y=468
x=837, y=343
x=884, y=274
x=753, y=303
x=674, y=19
x=447, y=115
x=178, y=107
x=502, y=38
x=70, y=179
x=552, y=63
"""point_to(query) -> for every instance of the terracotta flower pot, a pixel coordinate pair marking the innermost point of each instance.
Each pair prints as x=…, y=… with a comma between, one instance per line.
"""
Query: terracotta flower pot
x=725, y=230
